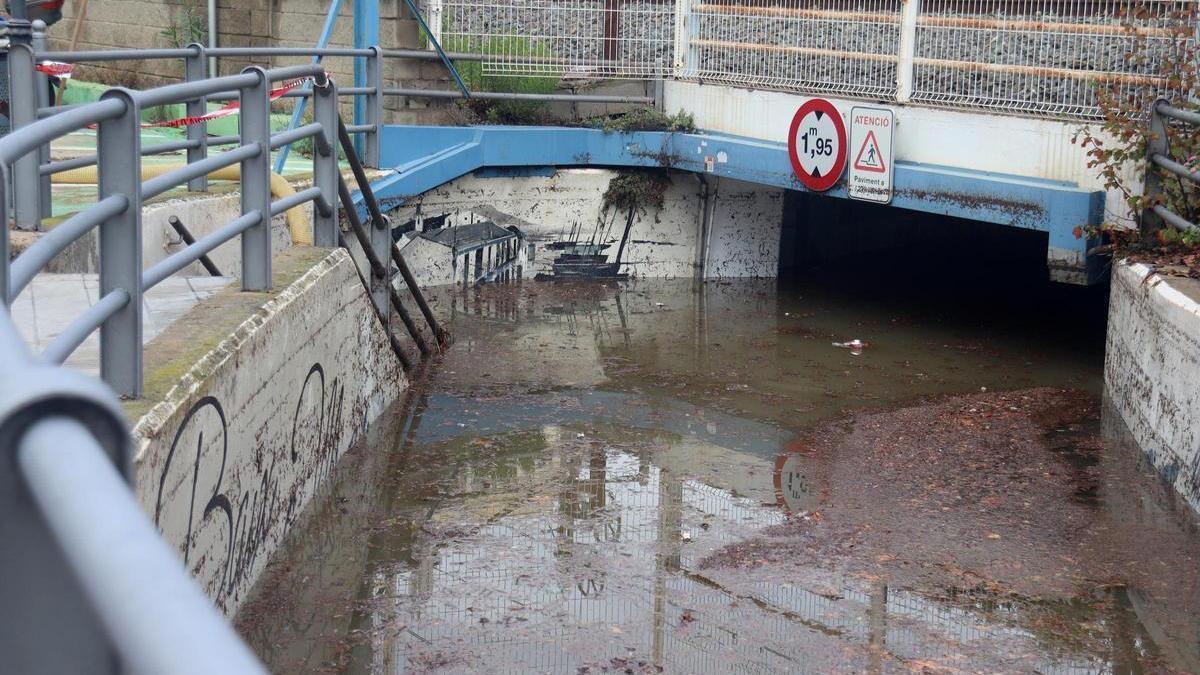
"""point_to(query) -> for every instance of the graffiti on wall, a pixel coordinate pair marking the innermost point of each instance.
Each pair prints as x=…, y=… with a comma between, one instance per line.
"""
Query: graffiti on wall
x=228, y=505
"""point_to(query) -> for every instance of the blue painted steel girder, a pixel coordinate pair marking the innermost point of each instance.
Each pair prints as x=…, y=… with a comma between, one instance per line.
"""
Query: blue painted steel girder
x=426, y=157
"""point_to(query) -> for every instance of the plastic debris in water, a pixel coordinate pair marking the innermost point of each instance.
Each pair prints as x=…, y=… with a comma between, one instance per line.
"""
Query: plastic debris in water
x=855, y=346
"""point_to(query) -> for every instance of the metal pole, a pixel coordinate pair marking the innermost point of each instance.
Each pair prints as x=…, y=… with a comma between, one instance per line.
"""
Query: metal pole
x=325, y=167
x=1151, y=222
x=42, y=84
x=680, y=63
x=119, y=156
x=22, y=107
x=380, y=277
x=213, y=33
x=907, y=49
x=188, y=240
x=195, y=69
x=397, y=348
x=366, y=34
x=335, y=8
x=5, y=263
x=374, y=108
x=255, y=125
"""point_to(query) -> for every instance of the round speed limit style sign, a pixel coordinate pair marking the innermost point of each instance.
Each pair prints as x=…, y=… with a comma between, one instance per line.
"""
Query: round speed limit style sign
x=817, y=145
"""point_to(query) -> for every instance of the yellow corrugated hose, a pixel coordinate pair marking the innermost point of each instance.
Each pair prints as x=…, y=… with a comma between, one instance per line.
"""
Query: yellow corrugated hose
x=297, y=217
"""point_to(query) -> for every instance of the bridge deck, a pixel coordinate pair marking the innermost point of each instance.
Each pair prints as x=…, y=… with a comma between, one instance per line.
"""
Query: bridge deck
x=426, y=157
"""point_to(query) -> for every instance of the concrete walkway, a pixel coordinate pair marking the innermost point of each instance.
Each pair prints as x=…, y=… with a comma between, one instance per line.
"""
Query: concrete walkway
x=51, y=301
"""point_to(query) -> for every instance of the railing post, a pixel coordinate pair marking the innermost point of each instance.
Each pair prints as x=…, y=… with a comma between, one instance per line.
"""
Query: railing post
x=42, y=83
x=907, y=49
x=195, y=69
x=374, y=108
x=22, y=111
x=325, y=167
x=1157, y=145
x=36, y=578
x=255, y=128
x=5, y=263
x=435, y=10
x=119, y=159
x=683, y=10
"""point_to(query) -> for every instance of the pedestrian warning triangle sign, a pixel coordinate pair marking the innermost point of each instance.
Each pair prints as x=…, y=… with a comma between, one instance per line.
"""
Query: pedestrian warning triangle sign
x=869, y=158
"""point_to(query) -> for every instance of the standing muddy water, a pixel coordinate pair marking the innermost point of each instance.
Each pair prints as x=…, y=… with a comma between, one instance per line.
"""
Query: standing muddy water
x=659, y=476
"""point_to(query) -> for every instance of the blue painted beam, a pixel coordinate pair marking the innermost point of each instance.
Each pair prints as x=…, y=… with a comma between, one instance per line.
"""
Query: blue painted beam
x=366, y=34
x=1055, y=207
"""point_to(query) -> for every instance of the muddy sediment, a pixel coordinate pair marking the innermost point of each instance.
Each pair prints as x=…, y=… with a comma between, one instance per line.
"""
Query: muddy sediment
x=649, y=478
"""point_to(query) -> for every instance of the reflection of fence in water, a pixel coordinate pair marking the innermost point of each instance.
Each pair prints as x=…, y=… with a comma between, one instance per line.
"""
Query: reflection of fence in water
x=451, y=588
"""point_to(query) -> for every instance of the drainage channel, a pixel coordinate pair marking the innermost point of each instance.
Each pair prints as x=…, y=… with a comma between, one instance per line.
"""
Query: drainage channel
x=659, y=476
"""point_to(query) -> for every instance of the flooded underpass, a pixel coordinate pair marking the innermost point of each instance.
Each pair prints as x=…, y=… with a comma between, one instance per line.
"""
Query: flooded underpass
x=665, y=476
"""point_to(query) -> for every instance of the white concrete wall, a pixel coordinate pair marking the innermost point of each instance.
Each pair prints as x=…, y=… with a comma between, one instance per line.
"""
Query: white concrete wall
x=744, y=239
x=1152, y=370
x=228, y=460
x=200, y=214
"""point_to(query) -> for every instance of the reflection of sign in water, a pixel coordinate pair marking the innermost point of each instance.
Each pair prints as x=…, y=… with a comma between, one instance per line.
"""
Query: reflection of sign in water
x=793, y=489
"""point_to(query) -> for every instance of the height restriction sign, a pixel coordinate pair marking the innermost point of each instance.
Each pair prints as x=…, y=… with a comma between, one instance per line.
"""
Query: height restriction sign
x=817, y=145
x=871, y=151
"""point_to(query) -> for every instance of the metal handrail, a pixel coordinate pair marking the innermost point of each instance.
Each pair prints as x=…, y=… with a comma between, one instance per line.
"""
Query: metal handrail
x=156, y=617
x=1158, y=153
x=67, y=431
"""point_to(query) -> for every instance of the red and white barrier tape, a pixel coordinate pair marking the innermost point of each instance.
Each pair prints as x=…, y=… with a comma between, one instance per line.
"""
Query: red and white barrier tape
x=56, y=69
x=228, y=109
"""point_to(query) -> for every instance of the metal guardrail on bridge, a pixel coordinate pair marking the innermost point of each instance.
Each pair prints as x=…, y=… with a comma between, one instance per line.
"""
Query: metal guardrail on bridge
x=1164, y=116
x=1039, y=58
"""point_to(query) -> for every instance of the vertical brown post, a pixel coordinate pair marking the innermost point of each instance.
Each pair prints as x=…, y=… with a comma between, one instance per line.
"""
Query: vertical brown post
x=612, y=29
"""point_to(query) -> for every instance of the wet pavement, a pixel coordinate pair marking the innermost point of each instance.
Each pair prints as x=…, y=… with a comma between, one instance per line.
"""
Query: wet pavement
x=649, y=477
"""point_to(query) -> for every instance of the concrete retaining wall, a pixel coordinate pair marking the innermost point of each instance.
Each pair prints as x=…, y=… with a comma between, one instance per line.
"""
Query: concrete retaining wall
x=200, y=213
x=743, y=238
x=1152, y=370
x=233, y=452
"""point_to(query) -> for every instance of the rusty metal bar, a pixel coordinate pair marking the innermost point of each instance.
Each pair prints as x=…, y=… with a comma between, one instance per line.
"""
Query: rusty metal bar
x=188, y=240
x=940, y=21
x=356, y=227
x=975, y=66
x=396, y=346
x=411, y=326
x=380, y=220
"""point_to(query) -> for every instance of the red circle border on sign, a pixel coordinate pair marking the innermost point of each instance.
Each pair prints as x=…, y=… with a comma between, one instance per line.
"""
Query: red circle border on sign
x=830, y=179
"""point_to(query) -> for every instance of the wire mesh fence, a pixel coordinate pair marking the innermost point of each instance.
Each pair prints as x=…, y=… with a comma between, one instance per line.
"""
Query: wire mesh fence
x=841, y=47
x=1044, y=56
x=1048, y=58
x=567, y=38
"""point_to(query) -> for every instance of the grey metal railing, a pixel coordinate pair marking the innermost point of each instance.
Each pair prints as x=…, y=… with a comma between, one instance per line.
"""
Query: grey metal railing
x=96, y=587
x=32, y=174
x=1161, y=166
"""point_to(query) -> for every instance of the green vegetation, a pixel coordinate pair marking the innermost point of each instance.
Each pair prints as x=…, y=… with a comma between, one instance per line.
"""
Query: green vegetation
x=646, y=119
x=477, y=80
x=191, y=25
x=637, y=190
x=1117, y=147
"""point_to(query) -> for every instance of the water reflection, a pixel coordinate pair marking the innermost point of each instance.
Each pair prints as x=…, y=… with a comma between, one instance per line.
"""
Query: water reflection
x=552, y=501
